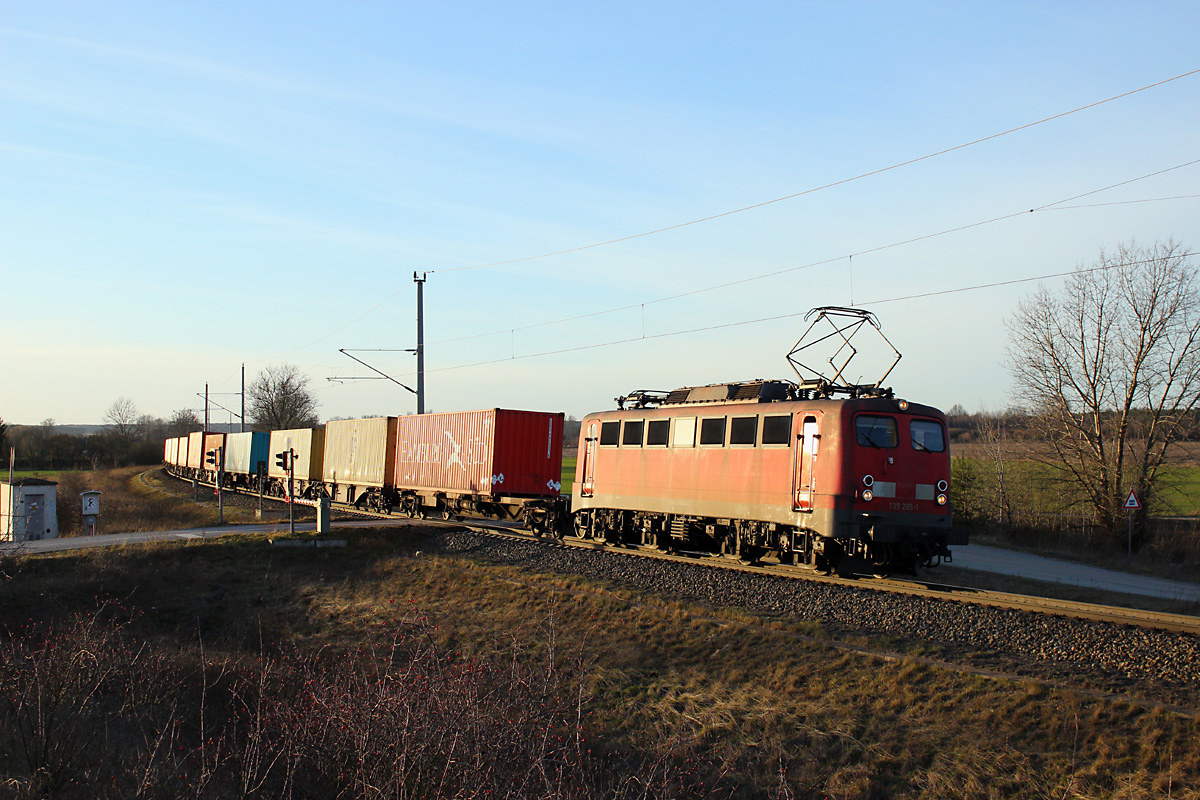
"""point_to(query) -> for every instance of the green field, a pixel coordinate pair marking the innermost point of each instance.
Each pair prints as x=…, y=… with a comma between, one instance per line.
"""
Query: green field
x=44, y=474
x=1034, y=483
x=1181, y=495
x=568, y=475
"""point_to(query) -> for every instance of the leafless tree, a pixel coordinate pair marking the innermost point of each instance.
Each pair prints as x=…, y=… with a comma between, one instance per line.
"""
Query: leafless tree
x=125, y=425
x=1111, y=368
x=183, y=422
x=123, y=420
x=280, y=399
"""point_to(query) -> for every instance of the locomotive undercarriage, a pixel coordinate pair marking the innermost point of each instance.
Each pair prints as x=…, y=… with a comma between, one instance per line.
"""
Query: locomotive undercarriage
x=752, y=541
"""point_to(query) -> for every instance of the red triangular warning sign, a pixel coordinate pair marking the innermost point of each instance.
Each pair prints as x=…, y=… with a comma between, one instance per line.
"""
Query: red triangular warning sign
x=1132, y=503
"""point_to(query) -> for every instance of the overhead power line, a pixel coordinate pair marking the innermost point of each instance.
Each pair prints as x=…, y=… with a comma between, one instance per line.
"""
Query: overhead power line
x=841, y=182
x=731, y=212
x=790, y=315
x=1056, y=205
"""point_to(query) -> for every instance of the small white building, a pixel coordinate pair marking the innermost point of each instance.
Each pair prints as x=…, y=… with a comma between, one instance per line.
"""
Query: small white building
x=28, y=510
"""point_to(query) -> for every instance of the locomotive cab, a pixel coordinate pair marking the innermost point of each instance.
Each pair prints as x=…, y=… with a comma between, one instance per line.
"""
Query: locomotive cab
x=892, y=511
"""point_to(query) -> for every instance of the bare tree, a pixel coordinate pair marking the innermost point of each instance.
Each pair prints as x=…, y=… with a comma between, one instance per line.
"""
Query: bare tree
x=1111, y=367
x=123, y=419
x=125, y=426
x=183, y=422
x=280, y=399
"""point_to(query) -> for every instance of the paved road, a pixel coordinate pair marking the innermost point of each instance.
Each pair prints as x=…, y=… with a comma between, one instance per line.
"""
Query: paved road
x=114, y=539
x=1024, y=565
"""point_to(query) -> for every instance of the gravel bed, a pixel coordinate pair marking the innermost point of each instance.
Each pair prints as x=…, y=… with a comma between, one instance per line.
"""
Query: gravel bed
x=1095, y=655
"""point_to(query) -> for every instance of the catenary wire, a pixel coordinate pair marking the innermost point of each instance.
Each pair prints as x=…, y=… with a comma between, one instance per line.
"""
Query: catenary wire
x=749, y=207
x=841, y=182
x=790, y=315
x=1056, y=205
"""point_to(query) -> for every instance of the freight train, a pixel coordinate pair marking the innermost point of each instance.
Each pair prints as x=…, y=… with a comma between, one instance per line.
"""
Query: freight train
x=755, y=470
x=817, y=473
x=495, y=463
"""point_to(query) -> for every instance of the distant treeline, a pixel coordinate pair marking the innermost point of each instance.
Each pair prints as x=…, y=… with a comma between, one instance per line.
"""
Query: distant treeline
x=1021, y=424
x=42, y=447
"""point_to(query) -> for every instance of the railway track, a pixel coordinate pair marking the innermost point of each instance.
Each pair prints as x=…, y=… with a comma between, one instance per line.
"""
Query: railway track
x=1116, y=615
x=1178, y=623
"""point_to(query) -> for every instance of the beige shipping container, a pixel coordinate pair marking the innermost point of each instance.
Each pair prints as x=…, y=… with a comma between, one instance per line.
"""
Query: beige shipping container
x=360, y=452
x=309, y=446
x=195, y=453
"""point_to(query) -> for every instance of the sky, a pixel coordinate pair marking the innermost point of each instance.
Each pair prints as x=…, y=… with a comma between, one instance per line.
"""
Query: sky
x=187, y=188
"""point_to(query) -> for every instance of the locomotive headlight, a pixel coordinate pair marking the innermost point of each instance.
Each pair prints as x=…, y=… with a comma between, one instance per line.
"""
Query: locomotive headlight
x=868, y=481
x=943, y=486
x=867, y=495
x=902, y=405
x=941, y=499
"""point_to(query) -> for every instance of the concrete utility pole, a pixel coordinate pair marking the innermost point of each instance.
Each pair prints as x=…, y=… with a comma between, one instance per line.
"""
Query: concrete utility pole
x=420, y=281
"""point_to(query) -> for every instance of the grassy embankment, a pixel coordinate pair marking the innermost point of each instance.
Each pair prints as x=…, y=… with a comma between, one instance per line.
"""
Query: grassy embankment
x=215, y=667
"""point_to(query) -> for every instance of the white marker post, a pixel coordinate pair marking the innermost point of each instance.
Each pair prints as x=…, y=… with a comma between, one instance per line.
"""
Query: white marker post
x=1132, y=504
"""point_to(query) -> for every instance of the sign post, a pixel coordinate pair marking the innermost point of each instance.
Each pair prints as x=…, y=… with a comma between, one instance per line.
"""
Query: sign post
x=1132, y=504
x=91, y=511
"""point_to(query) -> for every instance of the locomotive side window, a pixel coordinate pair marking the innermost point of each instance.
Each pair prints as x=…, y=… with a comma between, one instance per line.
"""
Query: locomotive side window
x=610, y=433
x=685, y=432
x=657, y=432
x=743, y=430
x=712, y=431
x=777, y=429
x=632, y=437
x=876, y=431
x=927, y=436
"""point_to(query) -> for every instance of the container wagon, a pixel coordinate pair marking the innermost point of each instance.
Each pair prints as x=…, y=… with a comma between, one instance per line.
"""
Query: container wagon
x=360, y=461
x=497, y=463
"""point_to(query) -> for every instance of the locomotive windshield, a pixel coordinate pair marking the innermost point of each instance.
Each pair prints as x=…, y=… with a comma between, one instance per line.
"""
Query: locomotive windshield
x=927, y=436
x=876, y=431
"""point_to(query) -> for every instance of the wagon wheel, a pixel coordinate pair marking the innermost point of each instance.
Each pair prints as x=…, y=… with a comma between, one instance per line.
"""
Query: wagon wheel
x=447, y=514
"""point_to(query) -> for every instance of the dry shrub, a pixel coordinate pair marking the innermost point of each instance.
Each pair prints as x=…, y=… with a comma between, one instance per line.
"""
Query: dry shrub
x=87, y=712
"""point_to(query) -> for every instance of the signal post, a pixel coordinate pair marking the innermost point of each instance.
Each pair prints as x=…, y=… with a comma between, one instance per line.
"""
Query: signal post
x=287, y=462
x=214, y=459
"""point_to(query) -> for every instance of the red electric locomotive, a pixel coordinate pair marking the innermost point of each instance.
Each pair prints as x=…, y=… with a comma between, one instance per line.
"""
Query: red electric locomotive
x=829, y=476
x=756, y=469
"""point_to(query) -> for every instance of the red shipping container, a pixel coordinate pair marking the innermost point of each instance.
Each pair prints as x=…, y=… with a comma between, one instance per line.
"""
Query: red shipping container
x=495, y=452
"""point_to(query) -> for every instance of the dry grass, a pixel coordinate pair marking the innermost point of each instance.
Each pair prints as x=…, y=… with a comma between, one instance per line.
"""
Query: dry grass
x=134, y=499
x=677, y=704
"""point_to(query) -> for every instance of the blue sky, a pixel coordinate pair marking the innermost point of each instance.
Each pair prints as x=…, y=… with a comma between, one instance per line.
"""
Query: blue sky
x=185, y=188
